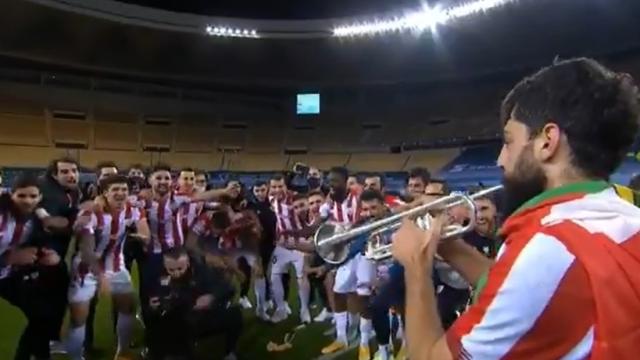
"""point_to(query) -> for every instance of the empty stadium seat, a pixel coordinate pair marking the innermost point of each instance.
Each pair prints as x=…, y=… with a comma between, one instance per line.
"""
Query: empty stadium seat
x=376, y=162
x=13, y=155
x=157, y=135
x=231, y=138
x=75, y=131
x=335, y=136
x=23, y=130
x=265, y=135
x=123, y=159
x=208, y=161
x=116, y=136
x=199, y=139
x=12, y=105
x=299, y=138
x=434, y=160
x=257, y=162
x=321, y=161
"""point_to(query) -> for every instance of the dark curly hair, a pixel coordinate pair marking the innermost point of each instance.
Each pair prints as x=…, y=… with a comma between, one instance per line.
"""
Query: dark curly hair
x=594, y=107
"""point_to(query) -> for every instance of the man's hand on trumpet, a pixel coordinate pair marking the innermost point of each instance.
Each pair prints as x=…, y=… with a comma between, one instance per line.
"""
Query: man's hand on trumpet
x=415, y=248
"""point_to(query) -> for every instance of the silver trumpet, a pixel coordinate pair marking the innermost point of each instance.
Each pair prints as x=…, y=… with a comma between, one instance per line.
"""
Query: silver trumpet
x=333, y=241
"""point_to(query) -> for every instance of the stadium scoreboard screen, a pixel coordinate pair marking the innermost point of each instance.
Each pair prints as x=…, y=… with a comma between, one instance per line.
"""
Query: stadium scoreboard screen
x=308, y=104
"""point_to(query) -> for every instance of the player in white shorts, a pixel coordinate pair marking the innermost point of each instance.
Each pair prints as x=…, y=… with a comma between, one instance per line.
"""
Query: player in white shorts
x=100, y=263
x=283, y=258
x=355, y=277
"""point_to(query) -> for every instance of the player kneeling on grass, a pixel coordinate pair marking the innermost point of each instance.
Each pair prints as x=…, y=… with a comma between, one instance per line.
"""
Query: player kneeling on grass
x=100, y=263
x=188, y=302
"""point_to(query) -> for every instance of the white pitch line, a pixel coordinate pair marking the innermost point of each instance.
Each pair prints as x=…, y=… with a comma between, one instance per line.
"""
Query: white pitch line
x=336, y=354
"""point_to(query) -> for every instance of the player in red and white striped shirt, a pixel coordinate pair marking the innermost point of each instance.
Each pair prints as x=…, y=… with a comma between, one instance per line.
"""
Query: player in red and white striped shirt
x=356, y=275
x=282, y=204
x=376, y=182
x=22, y=265
x=189, y=211
x=100, y=262
x=162, y=206
x=201, y=182
x=15, y=228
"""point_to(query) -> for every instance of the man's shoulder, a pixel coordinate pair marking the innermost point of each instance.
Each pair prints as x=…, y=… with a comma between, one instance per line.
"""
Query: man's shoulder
x=47, y=186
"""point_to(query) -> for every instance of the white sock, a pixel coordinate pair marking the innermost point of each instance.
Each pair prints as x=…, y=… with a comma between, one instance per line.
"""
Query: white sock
x=400, y=333
x=277, y=291
x=124, y=331
x=260, y=289
x=383, y=350
x=75, y=341
x=353, y=319
x=303, y=292
x=366, y=329
x=341, y=326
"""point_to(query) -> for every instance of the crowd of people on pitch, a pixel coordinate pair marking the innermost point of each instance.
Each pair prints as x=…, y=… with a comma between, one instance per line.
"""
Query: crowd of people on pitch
x=192, y=244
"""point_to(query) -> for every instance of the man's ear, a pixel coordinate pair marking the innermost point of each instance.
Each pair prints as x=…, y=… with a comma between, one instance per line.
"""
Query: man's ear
x=548, y=141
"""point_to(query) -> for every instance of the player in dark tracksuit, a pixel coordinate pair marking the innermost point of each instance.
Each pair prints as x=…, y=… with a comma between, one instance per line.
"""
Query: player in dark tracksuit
x=60, y=198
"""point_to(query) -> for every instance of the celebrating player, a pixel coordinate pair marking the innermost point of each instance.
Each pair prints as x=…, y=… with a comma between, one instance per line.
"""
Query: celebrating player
x=282, y=258
x=100, y=262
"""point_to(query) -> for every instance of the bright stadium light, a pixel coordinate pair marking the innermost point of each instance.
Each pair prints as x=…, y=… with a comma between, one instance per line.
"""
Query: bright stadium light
x=426, y=18
x=223, y=31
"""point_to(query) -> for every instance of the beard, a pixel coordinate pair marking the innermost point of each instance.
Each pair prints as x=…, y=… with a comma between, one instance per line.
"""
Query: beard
x=528, y=180
x=338, y=194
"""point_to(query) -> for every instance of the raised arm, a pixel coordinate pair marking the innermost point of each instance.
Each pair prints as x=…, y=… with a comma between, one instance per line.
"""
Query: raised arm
x=233, y=189
x=415, y=250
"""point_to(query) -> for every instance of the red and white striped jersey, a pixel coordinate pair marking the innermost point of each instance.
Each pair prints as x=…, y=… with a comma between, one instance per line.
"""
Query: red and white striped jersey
x=241, y=233
x=202, y=225
x=189, y=212
x=346, y=212
x=13, y=232
x=165, y=222
x=565, y=283
x=285, y=215
x=110, y=232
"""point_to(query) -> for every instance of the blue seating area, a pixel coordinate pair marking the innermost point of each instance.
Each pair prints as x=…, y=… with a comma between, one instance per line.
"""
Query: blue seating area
x=477, y=165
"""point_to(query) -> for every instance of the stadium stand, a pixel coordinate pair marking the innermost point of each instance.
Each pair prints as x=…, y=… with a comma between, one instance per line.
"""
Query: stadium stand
x=71, y=132
x=127, y=138
x=23, y=129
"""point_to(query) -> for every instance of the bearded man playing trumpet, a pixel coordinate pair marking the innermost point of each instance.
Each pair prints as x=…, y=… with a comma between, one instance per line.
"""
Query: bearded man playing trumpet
x=564, y=284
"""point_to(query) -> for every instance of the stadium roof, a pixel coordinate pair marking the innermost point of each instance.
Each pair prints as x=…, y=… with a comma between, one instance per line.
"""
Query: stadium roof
x=280, y=9
x=112, y=37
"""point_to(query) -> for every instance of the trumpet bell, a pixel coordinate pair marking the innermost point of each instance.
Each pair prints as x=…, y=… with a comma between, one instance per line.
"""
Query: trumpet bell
x=332, y=253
